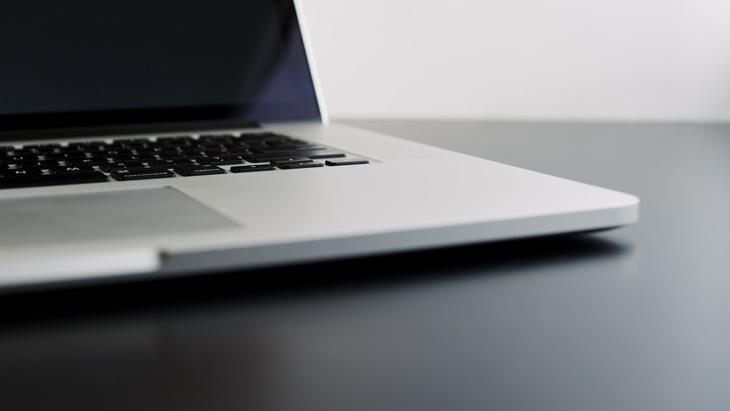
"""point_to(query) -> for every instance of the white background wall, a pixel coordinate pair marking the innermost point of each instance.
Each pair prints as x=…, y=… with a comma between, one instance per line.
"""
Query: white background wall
x=557, y=59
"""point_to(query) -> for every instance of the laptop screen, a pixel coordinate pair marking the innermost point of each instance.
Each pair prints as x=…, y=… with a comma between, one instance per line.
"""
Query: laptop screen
x=79, y=63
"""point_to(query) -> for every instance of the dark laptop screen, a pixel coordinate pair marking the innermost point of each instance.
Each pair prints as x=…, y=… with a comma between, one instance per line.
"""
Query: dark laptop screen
x=79, y=63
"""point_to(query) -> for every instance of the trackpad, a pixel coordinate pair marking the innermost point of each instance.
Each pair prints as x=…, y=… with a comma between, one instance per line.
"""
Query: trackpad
x=115, y=214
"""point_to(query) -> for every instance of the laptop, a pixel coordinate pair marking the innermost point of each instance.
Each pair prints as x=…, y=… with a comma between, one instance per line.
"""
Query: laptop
x=160, y=138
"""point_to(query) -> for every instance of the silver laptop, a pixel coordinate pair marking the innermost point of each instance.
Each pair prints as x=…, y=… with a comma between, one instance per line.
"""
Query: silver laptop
x=159, y=138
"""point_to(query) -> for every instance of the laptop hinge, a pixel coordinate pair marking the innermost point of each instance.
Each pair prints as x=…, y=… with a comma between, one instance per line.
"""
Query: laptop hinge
x=41, y=134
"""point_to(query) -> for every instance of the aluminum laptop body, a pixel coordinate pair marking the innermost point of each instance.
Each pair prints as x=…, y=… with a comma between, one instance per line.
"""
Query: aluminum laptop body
x=175, y=112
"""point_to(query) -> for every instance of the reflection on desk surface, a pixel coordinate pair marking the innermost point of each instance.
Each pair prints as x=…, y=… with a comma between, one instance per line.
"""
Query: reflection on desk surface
x=328, y=336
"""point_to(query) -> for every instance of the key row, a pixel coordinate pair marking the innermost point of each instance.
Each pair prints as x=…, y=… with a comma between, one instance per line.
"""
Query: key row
x=23, y=178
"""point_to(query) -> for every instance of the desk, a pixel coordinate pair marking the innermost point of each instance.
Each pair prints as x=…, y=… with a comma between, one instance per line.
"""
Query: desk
x=632, y=319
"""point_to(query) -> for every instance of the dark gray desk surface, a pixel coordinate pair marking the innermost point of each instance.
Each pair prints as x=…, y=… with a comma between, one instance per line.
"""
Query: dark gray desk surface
x=633, y=319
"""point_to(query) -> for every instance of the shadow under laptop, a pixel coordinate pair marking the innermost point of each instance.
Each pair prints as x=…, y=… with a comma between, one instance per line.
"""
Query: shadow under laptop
x=356, y=276
x=267, y=339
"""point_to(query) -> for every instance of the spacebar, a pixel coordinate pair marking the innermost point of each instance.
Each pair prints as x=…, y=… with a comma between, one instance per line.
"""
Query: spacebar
x=78, y=177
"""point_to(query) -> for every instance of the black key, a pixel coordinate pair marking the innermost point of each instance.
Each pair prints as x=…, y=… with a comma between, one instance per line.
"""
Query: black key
x=287, y=151
x=257, y=136
x=250, y=141
x=190, y=153
x=126, y=174
x=92, y=156
x=299, y=142
x=182, y=159
x=178, y=162
x=346, y=162
x=145, y=158
x=31, y=164
x=277, y=139
x=273, y=148
x=86, y=161
x=230, y=156
x=311, y=147
x=175, y=139
x=132, y=163
x=239, y=153
x=117, y=146
x=30, y=150
x=54, y=157
x=223, y=138
x=18, y=157
x=235, y=144
x=70, y=169
x=199, y=158
x=77, y=154
x=216, y=137
x=209, y=144
x=51, y=151
x=107, y=168
x=169, y=153
x=275, y=158
x=215, y=152
x=290, y=160
x=292, y=166
x=145, y=152
x=87, y=143
x=79, y=177
x=123, y=156
x=142, y=140
x=294, y=144
x=46, y=165
x=251, y=167
x=320, y=155
x=156, y=164
x=27, y=153
x=254, y=145
x=198, y=170
x=50, y=145
x=21, y=172
x=220, y=161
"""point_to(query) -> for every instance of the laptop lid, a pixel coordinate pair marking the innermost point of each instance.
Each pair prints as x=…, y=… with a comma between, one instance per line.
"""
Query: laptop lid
x=92, y=65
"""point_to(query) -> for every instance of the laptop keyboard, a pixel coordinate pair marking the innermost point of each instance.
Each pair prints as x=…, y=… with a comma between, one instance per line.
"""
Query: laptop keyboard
x=162, y=157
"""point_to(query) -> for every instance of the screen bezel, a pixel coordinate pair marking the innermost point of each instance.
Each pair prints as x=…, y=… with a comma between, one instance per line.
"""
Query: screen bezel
x=165, y=119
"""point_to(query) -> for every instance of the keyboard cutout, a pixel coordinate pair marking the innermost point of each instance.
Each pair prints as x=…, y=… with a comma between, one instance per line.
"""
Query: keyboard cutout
x=104, y=215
